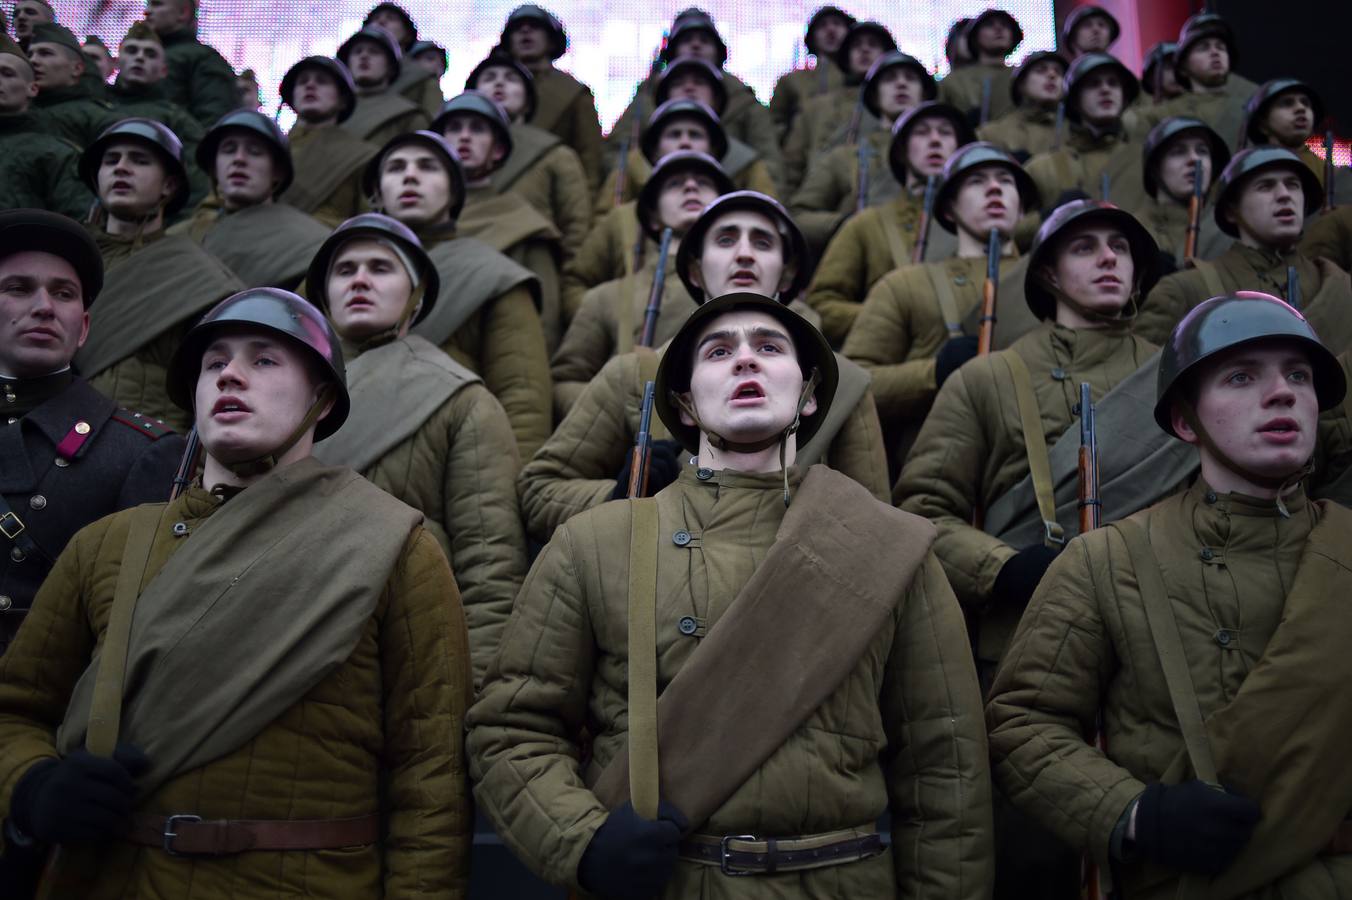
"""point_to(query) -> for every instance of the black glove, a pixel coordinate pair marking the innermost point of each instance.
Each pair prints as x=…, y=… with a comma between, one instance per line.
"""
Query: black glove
x=1069, y=196
x=951, y=356
x=80, y=798
x=1193, y=826
x=1019, y=576
x=629, y=857
x=664, y=467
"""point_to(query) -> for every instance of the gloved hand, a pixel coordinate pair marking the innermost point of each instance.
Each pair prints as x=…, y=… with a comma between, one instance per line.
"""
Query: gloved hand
x=629, y=857
x=1019, y=576
x=80, y=798
x=1193, y=826
x=951, y=356
x=1066, y=197
x=664, y=467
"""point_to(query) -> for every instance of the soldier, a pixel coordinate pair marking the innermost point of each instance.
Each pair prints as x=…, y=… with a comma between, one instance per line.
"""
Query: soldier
x=65, y=104
x=265, y=243
x=40, y=169
x=838, y=117
x=1157, y=72
x=423, y=427
x=742, y=241
x=431, y=56
x=1088, y=29
x=97, y=50
x=955, y=44
x=71, y=455
x=418, y=81
x=156, y=284
x=278, y=593
x=1097, y=151
x=1264, y=198
x=1169, y=157
x=830, y=192
x=981, y=89
x=889, y=719
x=373, y=57
x=1204, y=66
x=880, y=238
x=329, y=160
x=535, y=38
x=478, y=131
x=250, y=91
x=490, y=323
x=826, y=31
x=1285, y=112
x=1184, y=632
x=1036, y=88
x=27, y=14
x=200, y=80
x=611, y=317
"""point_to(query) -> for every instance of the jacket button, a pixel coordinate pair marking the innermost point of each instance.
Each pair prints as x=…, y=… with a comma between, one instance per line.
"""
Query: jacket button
x=681, y=538
x=960, y=280
x=62, y=462
x=5, y=603
x=704, y=474
x=687, y=625
x=37, y=501
x=180, y=529
x=1210, y=497
x=1058, y=374
x=1223, y=637
x=17, y=555
x=1207, y=554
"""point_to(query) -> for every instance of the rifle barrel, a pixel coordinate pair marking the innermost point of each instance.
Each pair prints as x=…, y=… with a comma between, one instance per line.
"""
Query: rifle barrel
x=187, y=466
x=642, y=452
x=989, y=294
x=861, y=186
x=1194, y=212
x=655, y=295
x=1090, y=505
x=1293, y=286
x=926, y=220
x=985, y=113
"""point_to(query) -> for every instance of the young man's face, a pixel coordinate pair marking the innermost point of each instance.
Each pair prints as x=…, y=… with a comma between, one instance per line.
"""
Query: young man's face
x=369, y=63
x=248, y=92
x=392, y=22
x=101, y=59
x=994, y=37
x=1270, y=211
x=316, y=97
x=699, y=44
x=683, y=197
x=1290, y=119
x=743, y=251
x=691, y=85
x=1208, y=61
x=829, y=32
x=1101, y=99
x=899, y=89
x=55, y=66
x=987, y=198
x=474, y=143
x=28, y=13
x=415, y=187
x=167, y=15
x=528, y=41
x=1178, y=165
x=1092, y=35
x=745, y=380
x=683, y=133
x=246, y=171
x=368, y=288
x=1042, y=83
x=42, y=316
x=133, y=180
x=864, y=51
x=930, y=143
x=1094, y=267
x=17, y=87
x=432, y=61
x=1258, y=404
x=506, y=87
x=142, y=63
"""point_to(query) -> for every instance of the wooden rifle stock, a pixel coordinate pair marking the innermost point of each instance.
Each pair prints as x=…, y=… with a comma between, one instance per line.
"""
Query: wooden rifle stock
x=989, y=295
x=1090, y=505
x=926, y=220
x=187, y=466
x=655, y=295
x=1194, y=212
x=643, y=446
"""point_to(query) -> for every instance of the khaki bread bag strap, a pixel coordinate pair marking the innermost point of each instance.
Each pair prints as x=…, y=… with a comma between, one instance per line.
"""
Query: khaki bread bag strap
x=948, y=303
x=901, y=256
x=1035, y=445
x=1211, y=277
x=624, y=313
x=643, y=773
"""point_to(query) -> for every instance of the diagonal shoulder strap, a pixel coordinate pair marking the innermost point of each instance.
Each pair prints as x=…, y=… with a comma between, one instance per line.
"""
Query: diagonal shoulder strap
x=1035, y=445
x=643, y=772
x=948, y=303
x=1211, y=277
x=896, y=244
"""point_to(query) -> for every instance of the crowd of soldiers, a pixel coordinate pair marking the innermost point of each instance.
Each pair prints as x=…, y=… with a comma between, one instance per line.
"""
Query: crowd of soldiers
x=423, y=459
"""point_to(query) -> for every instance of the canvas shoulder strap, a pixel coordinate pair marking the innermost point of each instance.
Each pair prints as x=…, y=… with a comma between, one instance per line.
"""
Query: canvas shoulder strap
x=1035, y=445
x=948, y=303
x=896, y=244
x=1211, y=277
x=643, y=761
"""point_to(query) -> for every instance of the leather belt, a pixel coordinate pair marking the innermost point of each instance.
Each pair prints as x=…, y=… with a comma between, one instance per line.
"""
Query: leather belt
x=186, y=835
x=1341, y=842
x=747, y=854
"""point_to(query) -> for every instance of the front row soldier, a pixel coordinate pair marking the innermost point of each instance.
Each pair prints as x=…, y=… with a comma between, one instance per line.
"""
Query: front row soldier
x=741, y=242
x=423, y=427
x=158, y=708
x=744, y=565
x=70, y=455
x=1204, y=638
x=1169, y=157
x=1033, y=125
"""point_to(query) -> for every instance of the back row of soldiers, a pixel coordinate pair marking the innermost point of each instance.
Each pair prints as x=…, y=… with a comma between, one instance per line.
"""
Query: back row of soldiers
x=417, y=331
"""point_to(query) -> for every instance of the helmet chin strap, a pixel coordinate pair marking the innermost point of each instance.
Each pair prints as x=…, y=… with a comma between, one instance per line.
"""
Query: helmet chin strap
x=258, y=465
x=1279, y=484
x=1123, y=316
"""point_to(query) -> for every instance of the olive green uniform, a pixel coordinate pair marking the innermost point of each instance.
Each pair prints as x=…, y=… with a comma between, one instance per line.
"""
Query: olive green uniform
x=824, y=125
x=794, y=90
x=963, y=88
x=329, y=163
x=40, y=169
x=385, y=114
x=1167, y=222
x=567, y=108
x=152, y=102
x=830, y=193
x=73, y=113
x=548, y=174
x=743, y=165
x=1082, y=161
x=1330, y=236
x=1026, y=129
x=200, y=80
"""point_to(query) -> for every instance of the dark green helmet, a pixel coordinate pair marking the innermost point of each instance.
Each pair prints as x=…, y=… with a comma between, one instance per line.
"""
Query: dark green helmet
x=274, y=311
x=498, y=58
x=673, y=372
x=708, y=70
x=1249, y=162
x=1256, y=107
x=1160, y=58
x=693, y=20
x=256, y=124
x=689, y=109
x=376, y=227
x=418, y=48
x=382, y=39
x=1145, y=253
x=1223, y=323
x=1202, y=25
x=1079, y=14
x=558, y=38
x=49, y=232
x=1090, y=64
x=335, y=70
x=370, y=178
x=796, y=253
x=1021, y=72
x=895, y=59
x=808, y=40
x=969, y=33
x=155, y=135
x=858, y=30
x=974, y=156
x=901, y=131
x=397, y=10
x=1164, y=134
x=673, y=163
x=955, y=45
x=477, y=103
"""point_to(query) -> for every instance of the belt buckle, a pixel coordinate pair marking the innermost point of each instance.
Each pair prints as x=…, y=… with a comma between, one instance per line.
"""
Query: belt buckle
x=170, y=834
x=11, y=531
x=724, y=854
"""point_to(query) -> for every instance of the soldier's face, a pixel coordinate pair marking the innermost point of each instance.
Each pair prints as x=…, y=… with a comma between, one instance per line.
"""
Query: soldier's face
x=1270, y=211
x=745, y=380
x=1093, y=266
x=528, y=41
x=55, y=66
x=42, y=316
x=28, y=13
x=432, y=61
x=683, y=196
x=472, y=139
x=132, y=180
x=246, y=171
x=683, y=134
x=1177, y=173
x=247, y=89
x=828, y=33
x=929, y=145
x=1290, y=118
x=987, y=198
x=17, y=86
x=415, y=187
x=1101, y=98
x=691, y=86
x=316, y=96
x=368, y=288
x=1208, y=61
x=392, y=22
x=864, y=50
x=370, y=66
x=505, y=86
x=142, y=63
x=699, y=43
x=1042, y=83
x=102, y=61
x=167, y=15
x=899, y=89
x=1092, y=34
x=994, y=37
x=1258, y=403
x=1168, y=85
x=743, y=251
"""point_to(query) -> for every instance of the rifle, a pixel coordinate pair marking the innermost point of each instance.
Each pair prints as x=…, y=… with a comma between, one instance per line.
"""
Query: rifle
x=1091, y=507
x=655, y=296
x=1194, y=212
x=1293, y=286
x=643, y=446
x=985, y=101
x=187, y=466
x=861, y=186
x=1329, y=171
x=926, y=220
x=856, y=120
x=990, y=292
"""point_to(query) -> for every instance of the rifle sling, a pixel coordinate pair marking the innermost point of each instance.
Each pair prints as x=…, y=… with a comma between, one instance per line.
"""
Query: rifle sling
x=1035, y=445
x=643, y=771
x=948, y=303
x=896, y=243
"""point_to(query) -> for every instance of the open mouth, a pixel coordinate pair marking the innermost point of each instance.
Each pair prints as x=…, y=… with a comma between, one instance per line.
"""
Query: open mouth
x=1108, y=281
x=747, y=393
x=995, y=208
x=230, y=409
x=1285, y=216
x=1280, y=431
